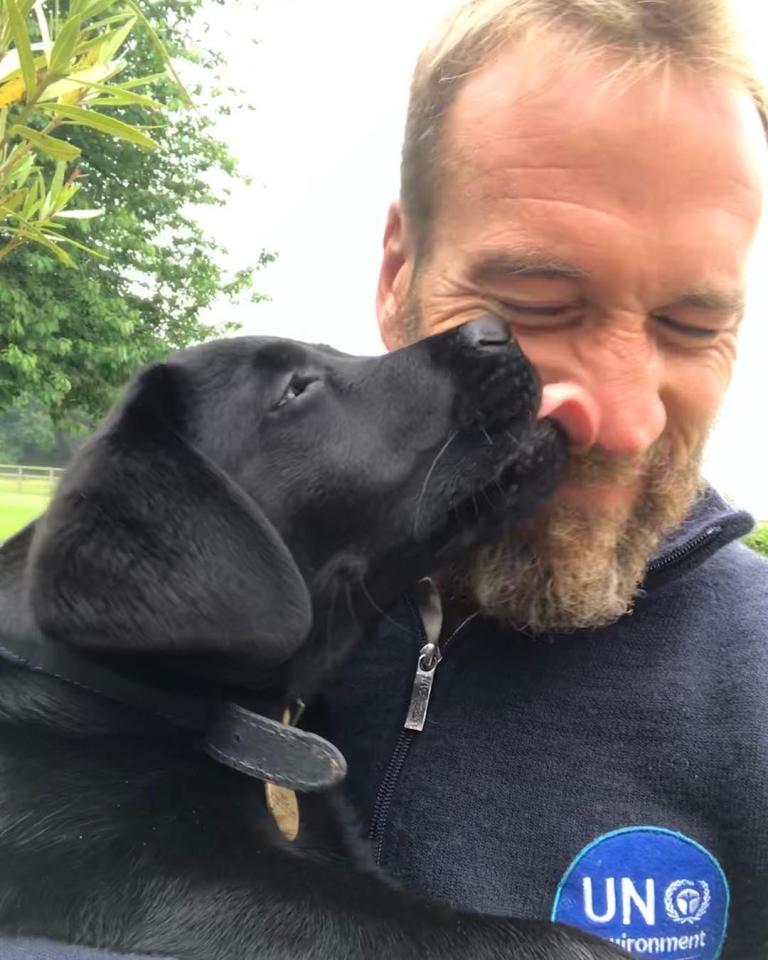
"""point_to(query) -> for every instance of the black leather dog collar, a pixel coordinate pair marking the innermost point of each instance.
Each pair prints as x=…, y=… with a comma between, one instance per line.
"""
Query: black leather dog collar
x=231, y=734
x=273, y=751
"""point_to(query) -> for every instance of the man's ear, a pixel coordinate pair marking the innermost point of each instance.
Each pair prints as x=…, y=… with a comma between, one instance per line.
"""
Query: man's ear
x=394, y=279
x=148, y=546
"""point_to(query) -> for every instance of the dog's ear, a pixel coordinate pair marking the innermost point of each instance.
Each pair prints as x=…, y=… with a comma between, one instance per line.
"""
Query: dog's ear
x=147, y=545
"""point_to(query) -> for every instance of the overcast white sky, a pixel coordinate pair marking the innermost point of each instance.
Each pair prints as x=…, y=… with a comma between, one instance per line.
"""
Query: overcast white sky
x=329, y=81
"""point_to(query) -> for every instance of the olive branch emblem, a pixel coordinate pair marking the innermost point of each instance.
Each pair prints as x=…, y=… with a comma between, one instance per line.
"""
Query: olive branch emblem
x=697, y=900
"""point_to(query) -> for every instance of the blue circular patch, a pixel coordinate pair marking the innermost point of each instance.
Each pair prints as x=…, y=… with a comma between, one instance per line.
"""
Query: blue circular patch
x=653, y=892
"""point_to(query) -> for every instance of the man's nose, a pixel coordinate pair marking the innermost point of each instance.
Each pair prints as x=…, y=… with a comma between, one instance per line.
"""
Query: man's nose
x=623, y=419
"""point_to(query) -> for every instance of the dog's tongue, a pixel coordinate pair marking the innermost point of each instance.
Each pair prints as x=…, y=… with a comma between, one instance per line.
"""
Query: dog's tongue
x=572, y=407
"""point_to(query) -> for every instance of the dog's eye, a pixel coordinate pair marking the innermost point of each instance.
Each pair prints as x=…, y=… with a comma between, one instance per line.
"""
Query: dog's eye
x=297, y=385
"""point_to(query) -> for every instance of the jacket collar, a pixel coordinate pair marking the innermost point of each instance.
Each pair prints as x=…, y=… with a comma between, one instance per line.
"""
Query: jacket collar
x=710, y=525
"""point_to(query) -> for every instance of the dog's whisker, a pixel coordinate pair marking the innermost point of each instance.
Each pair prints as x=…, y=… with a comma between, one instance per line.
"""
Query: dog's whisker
x=487, y=436
x=427, y=478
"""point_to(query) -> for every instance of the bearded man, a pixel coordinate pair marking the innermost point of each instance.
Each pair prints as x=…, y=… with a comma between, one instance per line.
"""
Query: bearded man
x=595, y=745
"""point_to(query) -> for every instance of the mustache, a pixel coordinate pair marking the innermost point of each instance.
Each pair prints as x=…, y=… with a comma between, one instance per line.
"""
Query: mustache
x=596, y=467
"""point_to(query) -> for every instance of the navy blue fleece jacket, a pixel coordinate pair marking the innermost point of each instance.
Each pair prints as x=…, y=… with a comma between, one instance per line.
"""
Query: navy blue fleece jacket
x=616, y=780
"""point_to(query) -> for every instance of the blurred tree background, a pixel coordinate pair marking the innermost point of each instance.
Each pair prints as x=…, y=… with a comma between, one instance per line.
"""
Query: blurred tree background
x=70, y=335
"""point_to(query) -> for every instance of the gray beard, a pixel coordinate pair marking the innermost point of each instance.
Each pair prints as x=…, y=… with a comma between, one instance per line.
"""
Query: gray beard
x=570, y=569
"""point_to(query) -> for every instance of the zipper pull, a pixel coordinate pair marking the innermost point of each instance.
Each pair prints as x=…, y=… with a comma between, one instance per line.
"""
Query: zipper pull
x=429, y=657
x=431, y=611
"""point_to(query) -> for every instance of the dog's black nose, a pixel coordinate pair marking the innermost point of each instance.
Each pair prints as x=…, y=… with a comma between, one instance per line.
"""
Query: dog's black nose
x=485, y=333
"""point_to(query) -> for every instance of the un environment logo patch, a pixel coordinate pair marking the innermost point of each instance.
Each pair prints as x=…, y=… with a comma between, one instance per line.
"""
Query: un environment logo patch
x=653, y=892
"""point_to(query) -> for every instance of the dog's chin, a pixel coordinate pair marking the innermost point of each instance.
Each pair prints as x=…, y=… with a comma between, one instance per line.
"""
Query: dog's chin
x=500, y=491
x=505, y=481
x=502, y=482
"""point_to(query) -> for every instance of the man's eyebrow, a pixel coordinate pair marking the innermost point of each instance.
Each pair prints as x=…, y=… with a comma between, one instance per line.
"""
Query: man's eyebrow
x=496, y=265
x=717, y=301
x=500, y=264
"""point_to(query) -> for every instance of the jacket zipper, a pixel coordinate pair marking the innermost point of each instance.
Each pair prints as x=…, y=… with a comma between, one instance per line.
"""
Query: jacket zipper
x=429, y=656
x=388, y=784
x=680, y=553
x=428, y=615
x=387, y=791
x=431, y=653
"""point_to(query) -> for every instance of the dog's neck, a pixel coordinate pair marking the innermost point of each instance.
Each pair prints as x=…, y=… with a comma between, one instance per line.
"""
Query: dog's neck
x=229, y=704
x=215, y=704
x=45, y=675
x=203, y=677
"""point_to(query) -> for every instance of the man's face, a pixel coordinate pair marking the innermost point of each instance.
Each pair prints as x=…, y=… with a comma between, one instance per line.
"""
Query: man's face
x=609, y=226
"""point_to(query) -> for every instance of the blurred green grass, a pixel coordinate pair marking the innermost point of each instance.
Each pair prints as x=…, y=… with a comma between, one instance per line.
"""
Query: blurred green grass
x=17, y=509
x=758, y=539
x=40, y=486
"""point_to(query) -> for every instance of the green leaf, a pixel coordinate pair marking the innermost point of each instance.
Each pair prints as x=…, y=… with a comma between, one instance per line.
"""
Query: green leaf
x=32, y=200
x=142, y=81
x=58, y=149
x=160, y=50
x=77, y=8
x=83, y=247
x=30, y=232
x=66, y=193
x=24, y=7
x=57, y=195
x=21, y=170
x=88, y=9
x=65, y=45
x=98, y=121
x=74, y=84
x=23, y=46
x=11, y=202
x=119, y=95
x=97, y=25
x=100, y=44
x=58, y=178
x=114, y=40
x=39, y=237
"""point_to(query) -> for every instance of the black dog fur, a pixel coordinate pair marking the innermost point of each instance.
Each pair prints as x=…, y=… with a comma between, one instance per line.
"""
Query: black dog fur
x=232, y=530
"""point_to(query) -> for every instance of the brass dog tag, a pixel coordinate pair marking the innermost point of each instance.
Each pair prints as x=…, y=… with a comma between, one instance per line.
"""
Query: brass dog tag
x=284, y=808
x=282, y=802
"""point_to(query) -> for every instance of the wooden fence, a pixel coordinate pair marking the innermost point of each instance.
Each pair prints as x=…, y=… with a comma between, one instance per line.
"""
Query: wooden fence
x=17, y=478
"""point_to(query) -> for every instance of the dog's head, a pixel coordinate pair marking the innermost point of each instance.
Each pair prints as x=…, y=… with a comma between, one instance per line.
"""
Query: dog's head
x=245, y=486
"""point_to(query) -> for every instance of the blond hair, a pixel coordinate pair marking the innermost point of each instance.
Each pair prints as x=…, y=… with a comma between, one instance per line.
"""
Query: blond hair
x=646, y=34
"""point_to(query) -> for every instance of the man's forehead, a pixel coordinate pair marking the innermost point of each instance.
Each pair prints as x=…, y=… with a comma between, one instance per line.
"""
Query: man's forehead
x=537, y=154
x=599, y=102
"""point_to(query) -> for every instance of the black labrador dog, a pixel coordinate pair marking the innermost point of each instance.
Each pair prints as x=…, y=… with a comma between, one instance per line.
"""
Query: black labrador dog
x=209, y=558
